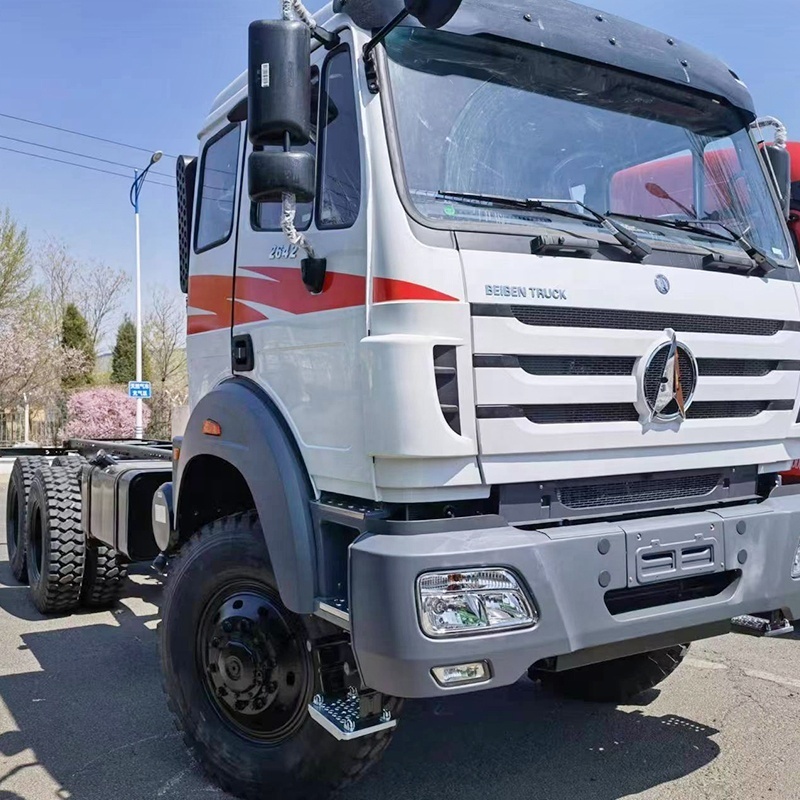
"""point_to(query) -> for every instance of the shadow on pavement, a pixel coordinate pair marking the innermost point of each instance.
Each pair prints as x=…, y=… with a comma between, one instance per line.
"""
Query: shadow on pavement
x=15, y=597
x=95, y=719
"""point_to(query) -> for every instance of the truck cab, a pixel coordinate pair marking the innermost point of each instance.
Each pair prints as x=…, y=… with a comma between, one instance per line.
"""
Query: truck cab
x=515, y=393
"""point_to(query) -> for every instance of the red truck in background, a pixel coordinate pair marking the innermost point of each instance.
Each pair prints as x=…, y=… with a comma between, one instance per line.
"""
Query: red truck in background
x=658, y=188
x=793, y=475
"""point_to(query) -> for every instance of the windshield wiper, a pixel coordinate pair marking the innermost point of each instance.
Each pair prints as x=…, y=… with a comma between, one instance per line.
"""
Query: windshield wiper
x=764, y=263
x=636, y=248
x=760, y=262
x=680, y=224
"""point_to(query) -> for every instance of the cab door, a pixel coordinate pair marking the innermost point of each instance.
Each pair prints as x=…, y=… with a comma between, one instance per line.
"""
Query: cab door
x=209, y=308
x=302, y=348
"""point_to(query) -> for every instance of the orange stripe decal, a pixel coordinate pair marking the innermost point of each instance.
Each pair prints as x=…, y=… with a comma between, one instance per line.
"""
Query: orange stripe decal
x=281, y=289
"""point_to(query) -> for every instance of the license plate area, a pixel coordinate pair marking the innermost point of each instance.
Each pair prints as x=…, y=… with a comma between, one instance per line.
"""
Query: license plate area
x=673, y=553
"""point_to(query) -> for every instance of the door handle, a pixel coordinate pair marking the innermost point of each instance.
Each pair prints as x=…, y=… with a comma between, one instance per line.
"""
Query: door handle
x=242, y=355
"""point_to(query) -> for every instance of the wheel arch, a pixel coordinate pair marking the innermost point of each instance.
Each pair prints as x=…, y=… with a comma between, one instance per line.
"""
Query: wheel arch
x=254, y=462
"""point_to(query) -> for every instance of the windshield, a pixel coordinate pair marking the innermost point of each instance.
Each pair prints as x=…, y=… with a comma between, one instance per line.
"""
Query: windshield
x=485, y=116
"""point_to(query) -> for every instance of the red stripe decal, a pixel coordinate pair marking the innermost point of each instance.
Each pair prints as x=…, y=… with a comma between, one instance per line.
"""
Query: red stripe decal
x=281, y=288
x=387, y=290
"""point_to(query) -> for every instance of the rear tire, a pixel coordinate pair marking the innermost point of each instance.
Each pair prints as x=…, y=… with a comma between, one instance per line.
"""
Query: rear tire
x=253, y=742
x=618, y=681
x=72, y=461
x=103, y=576
x=56, y=544
x=19, y=488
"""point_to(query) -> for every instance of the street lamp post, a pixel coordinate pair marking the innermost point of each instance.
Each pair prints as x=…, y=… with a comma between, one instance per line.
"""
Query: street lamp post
x=136, y=188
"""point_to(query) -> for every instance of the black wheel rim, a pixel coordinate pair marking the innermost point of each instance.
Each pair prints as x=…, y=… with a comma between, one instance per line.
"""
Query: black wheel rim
x=253, y=663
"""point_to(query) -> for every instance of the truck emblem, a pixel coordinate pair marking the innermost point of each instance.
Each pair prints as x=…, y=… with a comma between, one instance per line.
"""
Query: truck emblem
x=662, y=284
x=670, y=379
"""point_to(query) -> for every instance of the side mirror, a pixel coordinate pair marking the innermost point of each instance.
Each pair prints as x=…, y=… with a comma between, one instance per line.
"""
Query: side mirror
x=432, y=13
x=279, y=109
x=270, y=173
x=779, y=166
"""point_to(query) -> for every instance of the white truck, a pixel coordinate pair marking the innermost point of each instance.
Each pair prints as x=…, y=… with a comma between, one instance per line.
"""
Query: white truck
x=494, y=350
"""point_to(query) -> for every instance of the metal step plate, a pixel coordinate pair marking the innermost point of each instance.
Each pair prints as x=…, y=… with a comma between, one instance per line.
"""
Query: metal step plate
x=340, y=718
x=760, y=626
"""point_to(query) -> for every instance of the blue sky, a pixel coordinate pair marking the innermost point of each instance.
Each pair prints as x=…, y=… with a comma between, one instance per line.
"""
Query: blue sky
x=146, y=72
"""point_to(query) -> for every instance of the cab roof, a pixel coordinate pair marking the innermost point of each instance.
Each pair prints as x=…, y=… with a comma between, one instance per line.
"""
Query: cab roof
x=559, y=25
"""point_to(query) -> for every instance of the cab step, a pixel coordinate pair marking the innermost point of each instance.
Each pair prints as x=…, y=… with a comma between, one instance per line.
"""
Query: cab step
x=351, y=716
x=756, y=625
x=335, y=610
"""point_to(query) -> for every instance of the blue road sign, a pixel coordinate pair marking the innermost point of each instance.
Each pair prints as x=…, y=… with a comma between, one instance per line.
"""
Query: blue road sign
x=140, y=389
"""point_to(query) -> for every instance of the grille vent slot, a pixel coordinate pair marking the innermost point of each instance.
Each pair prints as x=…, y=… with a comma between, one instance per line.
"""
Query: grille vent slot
x=634, y=320
x=588, y=366
x=637, y=491
x=445, y=366
x=626, y=412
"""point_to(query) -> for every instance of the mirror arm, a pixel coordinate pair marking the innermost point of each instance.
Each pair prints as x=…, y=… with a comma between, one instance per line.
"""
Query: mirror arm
x=326, y=38
x=383, y=33
x=370, y=67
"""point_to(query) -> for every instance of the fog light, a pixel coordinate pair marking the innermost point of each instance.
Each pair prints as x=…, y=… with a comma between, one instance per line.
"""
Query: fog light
x=472, y=601
x=461, y=674
x=796, y=562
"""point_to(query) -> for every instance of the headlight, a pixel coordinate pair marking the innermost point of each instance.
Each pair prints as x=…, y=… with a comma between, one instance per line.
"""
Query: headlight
x=472, y=601
x=796, y=562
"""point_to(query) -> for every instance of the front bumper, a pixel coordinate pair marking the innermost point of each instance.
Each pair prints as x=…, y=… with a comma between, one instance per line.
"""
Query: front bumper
x=563, y=569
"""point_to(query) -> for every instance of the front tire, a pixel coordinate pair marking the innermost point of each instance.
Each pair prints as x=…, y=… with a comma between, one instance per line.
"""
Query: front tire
x=239, y=676
x=19, y=489
x=618, y=681
x=56, y=545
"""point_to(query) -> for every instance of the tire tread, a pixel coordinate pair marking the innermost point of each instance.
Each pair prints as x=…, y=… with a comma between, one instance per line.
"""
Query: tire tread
x=21, y=478
x=57, y=589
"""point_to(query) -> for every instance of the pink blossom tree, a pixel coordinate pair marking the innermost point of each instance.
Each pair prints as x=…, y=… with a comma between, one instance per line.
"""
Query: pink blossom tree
x=102, y=414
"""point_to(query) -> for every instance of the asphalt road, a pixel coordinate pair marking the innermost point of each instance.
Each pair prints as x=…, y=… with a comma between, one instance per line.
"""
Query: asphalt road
x=82, y=716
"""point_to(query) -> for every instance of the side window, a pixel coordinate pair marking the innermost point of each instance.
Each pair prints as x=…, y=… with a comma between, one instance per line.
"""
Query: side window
x=339, y=168
x=217, y=199
x=267, y=216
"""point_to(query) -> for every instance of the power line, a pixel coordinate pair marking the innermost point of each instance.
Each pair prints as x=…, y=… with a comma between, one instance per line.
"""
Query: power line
x=82, y=166
x=78, y=133
x=80, y=155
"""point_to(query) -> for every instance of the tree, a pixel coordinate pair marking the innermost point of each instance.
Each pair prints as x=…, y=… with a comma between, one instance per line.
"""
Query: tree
x=98, y=295
x=59, y=270
x=123, y=358
x=95, y=288
x=75, y=336
x=164, y=334
x=102, y=414
x=15, y=270
x=32, y=360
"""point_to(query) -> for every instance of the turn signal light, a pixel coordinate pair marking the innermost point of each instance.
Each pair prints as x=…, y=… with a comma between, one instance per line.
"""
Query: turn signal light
x=212, y=428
